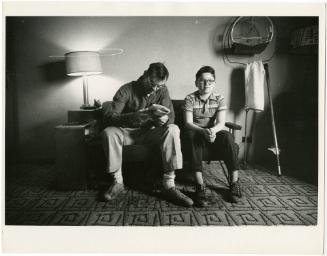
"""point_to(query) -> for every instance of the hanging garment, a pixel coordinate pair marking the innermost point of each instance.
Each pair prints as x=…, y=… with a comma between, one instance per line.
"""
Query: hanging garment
x=254, y=86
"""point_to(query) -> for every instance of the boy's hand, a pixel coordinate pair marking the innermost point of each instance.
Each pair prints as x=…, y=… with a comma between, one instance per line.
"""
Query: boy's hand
x=209, y=135
x=212, y=131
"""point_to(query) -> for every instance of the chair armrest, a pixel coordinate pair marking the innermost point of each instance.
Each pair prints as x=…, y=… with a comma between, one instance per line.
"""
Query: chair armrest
x=233, y=126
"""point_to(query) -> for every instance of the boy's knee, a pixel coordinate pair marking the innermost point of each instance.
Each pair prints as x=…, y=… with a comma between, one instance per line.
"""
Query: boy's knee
x=190, y=134
x=226, y=136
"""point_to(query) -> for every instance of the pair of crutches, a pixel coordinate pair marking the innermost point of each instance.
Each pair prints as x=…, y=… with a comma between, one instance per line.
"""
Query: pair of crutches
x=274, y=149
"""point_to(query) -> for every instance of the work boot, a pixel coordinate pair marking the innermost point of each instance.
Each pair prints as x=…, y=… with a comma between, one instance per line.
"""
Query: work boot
x=235, y=192
x=177, y=197
x=200, y=196
x=113, y=191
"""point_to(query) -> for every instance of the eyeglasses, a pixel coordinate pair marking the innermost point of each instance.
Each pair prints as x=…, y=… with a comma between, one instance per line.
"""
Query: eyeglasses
x=155, y=85
x=210, y=82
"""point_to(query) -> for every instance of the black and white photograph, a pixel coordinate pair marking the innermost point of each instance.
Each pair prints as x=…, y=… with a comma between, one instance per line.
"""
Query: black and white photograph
x=157, y=120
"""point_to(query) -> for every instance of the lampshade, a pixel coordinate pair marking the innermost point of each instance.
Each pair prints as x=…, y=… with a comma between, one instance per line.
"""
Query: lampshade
x=83, y=63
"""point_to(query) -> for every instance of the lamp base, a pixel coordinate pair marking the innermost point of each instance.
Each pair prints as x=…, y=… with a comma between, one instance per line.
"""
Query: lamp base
x=87, y=106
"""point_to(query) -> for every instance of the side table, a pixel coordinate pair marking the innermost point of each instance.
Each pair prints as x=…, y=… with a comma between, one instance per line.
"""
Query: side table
x=71, y=157
x=86, y=115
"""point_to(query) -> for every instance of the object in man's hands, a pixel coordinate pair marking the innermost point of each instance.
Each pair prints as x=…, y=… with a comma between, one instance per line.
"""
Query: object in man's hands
x=161, y=120
x=141, y=118
x=147, y=117
x=158, y=110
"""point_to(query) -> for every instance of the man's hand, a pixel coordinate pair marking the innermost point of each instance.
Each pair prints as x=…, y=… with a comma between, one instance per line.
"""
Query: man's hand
x=161, y=120
x=209, y=135
x=142, y=113
x=139, y=117
x=159, y=110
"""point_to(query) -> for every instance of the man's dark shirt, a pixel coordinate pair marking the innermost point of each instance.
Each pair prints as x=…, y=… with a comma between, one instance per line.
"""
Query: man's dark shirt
x=132, y=97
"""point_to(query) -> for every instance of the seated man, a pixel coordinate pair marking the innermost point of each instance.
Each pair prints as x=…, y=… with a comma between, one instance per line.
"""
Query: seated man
x=142, y=113
x=204, y=115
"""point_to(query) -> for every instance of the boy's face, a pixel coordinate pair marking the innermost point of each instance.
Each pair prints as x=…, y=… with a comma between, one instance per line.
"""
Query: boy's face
x=205, y=83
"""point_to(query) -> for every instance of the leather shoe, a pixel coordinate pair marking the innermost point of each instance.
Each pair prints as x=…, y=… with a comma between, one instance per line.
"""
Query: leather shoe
x=177, y=197
x=235, y=192
x=113, y=191
x=200, y=196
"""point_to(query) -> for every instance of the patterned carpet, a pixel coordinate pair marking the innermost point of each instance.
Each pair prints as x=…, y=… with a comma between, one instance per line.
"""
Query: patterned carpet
x=267, y=200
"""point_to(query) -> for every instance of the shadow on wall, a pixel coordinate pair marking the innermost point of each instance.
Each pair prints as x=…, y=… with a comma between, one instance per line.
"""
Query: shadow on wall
x=237, y=92
x=297, y=132
x=218, y=37
x=12, y=152
x=37, y=132
x=54, y=71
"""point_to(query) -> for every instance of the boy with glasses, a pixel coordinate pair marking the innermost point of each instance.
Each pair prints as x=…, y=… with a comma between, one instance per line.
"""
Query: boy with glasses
x=142, y=113
x=204, y=116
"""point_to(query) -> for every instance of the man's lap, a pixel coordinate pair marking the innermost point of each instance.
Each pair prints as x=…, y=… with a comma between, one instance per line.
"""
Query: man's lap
x=135, y=136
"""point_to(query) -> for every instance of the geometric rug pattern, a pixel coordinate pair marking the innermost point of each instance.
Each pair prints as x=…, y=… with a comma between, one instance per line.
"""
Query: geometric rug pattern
x=267, y=200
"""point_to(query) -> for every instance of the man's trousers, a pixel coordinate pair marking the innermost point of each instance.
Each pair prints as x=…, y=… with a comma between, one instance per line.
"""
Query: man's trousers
x=166, y=137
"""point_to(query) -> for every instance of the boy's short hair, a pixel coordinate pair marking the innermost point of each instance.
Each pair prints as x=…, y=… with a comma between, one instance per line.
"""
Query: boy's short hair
x=158, y=70
x=205, y=69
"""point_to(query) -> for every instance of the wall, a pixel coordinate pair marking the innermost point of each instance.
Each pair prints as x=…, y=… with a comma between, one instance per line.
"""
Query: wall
x=39, y=93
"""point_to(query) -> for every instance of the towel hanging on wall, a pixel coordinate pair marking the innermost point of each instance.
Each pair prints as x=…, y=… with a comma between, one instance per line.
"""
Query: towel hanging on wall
x=254, y=86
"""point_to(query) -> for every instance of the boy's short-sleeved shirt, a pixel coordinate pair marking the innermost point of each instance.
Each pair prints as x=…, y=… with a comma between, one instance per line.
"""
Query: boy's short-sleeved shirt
x=204, y=112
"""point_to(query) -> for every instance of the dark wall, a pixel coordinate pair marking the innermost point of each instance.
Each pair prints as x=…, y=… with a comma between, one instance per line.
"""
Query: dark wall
x=296, y=111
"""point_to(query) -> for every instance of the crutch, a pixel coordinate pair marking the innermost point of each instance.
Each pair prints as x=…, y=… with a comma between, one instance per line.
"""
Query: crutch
x=245, y=165
x=275, y=150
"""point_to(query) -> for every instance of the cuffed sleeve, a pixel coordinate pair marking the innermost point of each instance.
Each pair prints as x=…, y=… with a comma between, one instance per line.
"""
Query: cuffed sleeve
x=113, y=114
x=188, y=103
x=221, y=103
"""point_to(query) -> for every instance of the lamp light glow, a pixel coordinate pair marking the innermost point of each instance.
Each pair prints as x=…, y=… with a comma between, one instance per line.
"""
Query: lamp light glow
x=83, y=63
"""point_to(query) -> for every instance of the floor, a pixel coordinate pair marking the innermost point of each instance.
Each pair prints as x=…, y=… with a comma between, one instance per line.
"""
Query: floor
x=267, y=200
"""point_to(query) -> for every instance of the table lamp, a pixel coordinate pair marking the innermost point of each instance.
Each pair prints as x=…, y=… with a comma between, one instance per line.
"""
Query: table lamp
x=83, y=63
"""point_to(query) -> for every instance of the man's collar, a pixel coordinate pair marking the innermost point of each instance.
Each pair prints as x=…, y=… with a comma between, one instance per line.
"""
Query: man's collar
x=141, y=82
